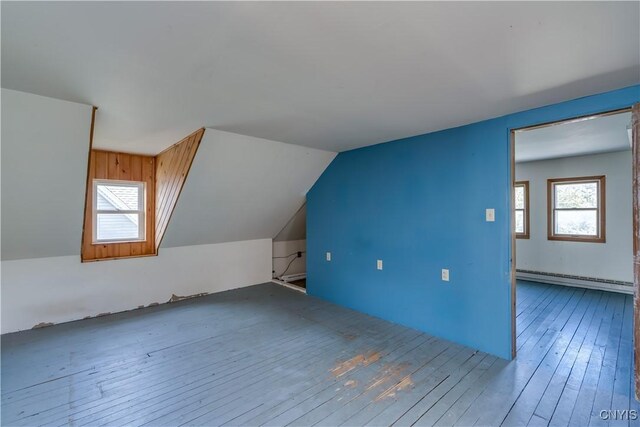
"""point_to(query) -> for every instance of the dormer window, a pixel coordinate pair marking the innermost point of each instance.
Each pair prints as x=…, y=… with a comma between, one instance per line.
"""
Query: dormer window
x=118, y=211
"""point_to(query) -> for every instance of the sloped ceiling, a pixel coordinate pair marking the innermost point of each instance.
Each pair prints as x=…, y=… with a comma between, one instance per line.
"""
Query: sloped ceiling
x=240, y=188
x=329, y=75
x=296, y=228
x=45, y=146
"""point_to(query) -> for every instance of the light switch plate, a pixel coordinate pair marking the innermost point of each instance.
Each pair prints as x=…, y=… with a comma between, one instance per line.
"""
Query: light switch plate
x=379, y=264
x=328, y=256
x=445, y=275
x=491, y=215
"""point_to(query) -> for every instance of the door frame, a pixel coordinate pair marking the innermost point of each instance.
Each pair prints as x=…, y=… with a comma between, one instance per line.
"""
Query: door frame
x=635, y=110
x=635, y=150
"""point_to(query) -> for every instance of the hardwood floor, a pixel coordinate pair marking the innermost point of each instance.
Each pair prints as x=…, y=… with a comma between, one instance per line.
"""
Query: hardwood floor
x=269, y=355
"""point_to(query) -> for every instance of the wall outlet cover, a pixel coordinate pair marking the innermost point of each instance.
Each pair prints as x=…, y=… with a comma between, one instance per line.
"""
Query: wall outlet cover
x=491, y=215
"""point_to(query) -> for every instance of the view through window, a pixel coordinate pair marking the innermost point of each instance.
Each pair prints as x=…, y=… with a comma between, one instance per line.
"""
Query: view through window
x=118, y=212
x=576, y=208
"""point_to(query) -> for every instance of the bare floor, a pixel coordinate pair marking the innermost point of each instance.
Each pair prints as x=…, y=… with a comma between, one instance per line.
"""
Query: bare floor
x=269, y=355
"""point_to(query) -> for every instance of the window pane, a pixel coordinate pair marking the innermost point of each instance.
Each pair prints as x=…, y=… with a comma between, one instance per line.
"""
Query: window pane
x=117, y=226
x=519, y=197
x=584, y=223
x=519, y=221
x=577, y=195
x=113, y=197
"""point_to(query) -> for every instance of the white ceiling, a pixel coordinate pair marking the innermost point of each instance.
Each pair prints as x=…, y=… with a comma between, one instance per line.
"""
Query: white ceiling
x=331, y=75
x=597, y=135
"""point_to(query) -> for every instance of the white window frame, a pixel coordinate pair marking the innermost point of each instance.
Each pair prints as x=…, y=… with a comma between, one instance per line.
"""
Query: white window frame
x=141, y=212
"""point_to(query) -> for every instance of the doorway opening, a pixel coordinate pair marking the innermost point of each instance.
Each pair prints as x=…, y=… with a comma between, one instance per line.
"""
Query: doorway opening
x=572, y=212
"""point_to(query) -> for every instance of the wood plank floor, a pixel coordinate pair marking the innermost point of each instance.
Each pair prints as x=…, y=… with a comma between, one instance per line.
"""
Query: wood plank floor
x=266, y=355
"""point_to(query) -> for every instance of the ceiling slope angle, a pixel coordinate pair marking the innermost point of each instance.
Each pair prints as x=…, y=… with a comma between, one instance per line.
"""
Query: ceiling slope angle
x=243, y=188
x=296, y=227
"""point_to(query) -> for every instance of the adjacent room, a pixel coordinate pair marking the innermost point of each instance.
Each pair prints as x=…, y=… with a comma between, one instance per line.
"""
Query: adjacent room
x=320, y=213
x=574, y=203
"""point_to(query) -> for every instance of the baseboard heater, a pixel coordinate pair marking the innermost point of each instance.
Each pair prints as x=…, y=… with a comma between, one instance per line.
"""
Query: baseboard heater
x=572, y=280
x=293, y=277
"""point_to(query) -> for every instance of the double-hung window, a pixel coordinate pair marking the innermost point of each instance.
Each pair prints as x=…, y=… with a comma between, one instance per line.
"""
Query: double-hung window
x=521, y=203
x=576, y=209
x=118, y=211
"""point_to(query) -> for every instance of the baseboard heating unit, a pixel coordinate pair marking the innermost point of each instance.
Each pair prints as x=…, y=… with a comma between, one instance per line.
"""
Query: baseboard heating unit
x=579, y=281
x=293, y=277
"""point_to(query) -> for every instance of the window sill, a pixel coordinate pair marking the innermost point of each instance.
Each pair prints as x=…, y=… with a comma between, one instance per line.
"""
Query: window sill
x=577, y=239
x=117, y=257
x=117, y=242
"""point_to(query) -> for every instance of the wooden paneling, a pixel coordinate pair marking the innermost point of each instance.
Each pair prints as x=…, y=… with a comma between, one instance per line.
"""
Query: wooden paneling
x=164, y=176
x=86, y=224
x=127, y=167
x=172, y=167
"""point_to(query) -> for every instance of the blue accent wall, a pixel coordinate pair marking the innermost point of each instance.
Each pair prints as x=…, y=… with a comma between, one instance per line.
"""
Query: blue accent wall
x=419, y=205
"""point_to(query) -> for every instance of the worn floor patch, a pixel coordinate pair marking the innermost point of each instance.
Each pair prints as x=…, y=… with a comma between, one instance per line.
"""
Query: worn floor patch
x=389, y=373
x=391, y=391
x=348, y=365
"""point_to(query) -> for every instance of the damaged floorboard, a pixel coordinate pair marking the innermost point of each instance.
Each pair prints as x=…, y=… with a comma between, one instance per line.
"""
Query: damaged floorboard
x=266, y=355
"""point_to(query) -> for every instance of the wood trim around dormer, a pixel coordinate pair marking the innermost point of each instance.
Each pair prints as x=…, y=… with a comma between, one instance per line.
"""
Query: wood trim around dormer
x=172, y=168
x=126, y=167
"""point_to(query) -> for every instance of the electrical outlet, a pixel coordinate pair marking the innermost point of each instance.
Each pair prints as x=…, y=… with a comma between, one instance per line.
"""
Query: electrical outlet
x=491, y=215
x=445, y=275
x=328, y=256
x=379, y=264
x=299, y=254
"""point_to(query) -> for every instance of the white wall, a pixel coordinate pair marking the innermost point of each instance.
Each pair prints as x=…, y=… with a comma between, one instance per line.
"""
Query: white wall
x=288, y=247
x=45, y=145
x=60, y=289
x=240, y=188
x=611, y=260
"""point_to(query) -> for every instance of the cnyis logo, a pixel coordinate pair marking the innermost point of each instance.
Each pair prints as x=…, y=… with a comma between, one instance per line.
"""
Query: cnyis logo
x=619, y=414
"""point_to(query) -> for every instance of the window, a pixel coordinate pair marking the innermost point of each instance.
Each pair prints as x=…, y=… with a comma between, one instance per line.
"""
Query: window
x=576, y=209
x=118, y=211
x=521, y=203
